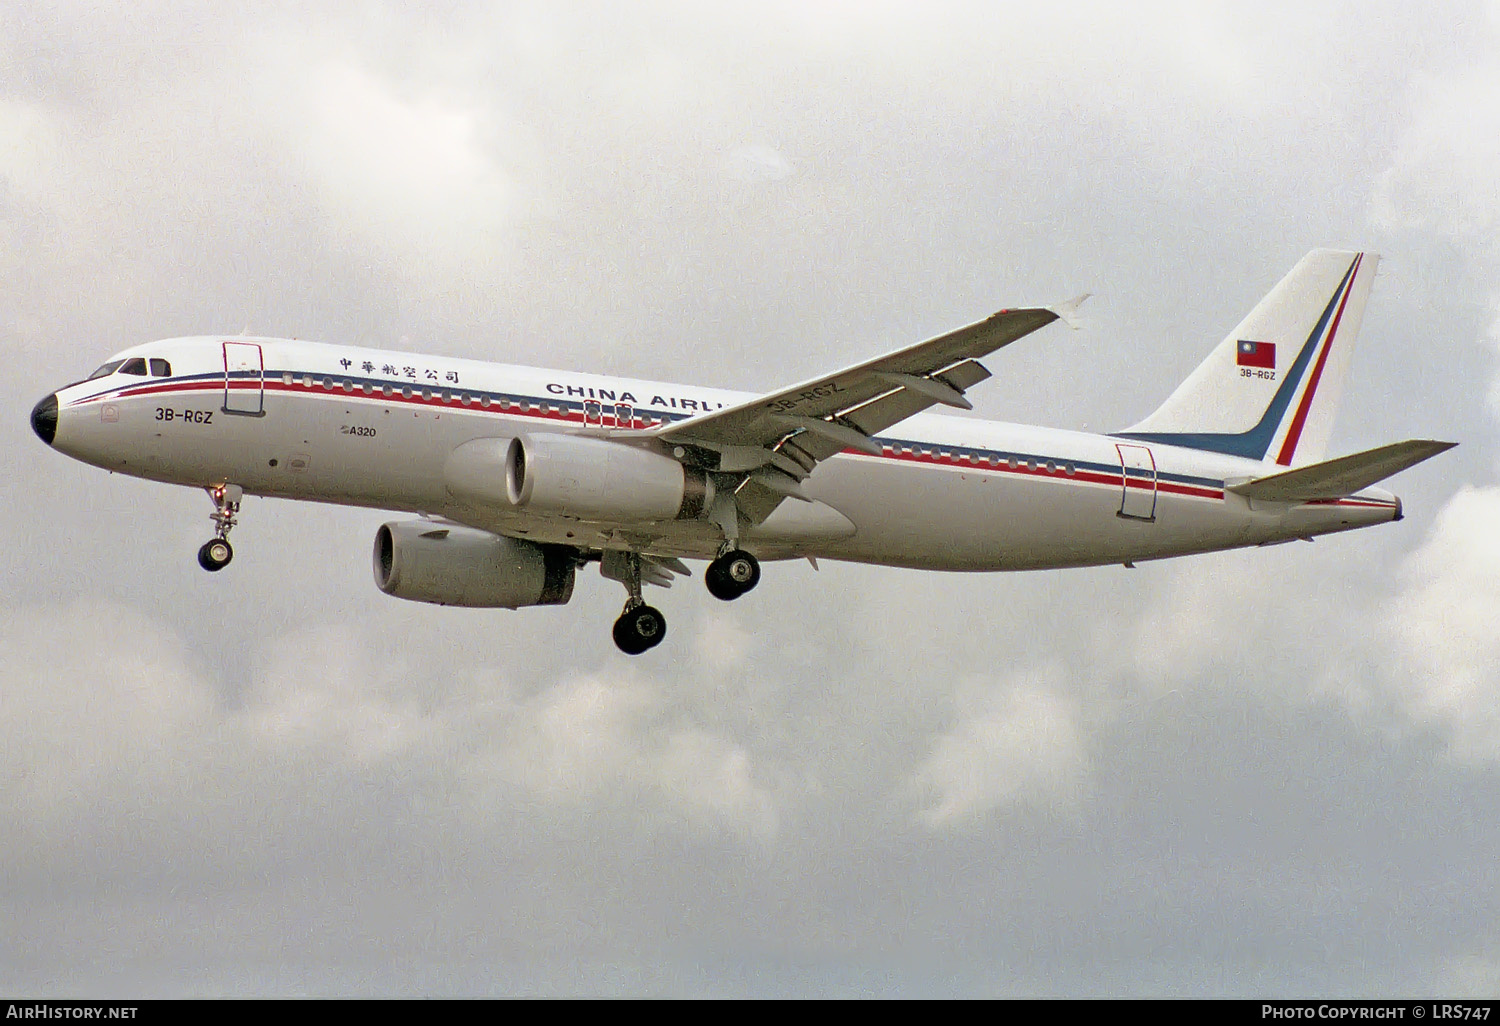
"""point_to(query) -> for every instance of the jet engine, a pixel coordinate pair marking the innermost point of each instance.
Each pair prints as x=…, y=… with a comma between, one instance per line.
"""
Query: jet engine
x=457, y=566
x=571, y=475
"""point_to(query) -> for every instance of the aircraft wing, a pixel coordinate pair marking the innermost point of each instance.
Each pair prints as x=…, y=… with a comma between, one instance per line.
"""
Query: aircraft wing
x=780, y=437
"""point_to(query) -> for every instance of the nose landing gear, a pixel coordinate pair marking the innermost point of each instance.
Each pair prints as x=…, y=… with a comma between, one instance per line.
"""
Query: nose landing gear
x=217, y=552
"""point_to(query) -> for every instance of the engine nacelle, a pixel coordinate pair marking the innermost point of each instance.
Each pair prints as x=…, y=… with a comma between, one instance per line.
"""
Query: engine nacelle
x=576, y=476
x=458, y=566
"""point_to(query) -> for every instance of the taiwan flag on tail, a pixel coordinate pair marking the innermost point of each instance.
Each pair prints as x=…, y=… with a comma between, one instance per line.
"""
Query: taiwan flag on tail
x=1256, y=354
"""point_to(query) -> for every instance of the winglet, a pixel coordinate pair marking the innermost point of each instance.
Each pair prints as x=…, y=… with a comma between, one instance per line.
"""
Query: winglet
x=1068, y=312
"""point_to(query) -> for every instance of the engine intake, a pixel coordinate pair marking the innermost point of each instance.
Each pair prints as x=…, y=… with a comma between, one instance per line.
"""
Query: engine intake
x=458, y=566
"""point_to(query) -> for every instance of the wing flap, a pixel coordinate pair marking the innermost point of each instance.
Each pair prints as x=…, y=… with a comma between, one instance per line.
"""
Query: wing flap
x=1343, y=476
x=657, y=570
x=916, y=395
x=892, y=408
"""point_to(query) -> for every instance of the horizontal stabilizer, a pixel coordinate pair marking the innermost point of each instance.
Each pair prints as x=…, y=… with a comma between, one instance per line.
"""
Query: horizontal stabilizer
x=1343, y=476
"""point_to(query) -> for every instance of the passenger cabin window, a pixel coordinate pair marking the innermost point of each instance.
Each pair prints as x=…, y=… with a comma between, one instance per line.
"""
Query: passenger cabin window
x=135, y=366
x=105, y=371
x=160, y=368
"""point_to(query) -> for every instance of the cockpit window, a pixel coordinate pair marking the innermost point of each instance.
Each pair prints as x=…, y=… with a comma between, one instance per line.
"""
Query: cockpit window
x=105, y=371
x=160, y=368
x=135, y=366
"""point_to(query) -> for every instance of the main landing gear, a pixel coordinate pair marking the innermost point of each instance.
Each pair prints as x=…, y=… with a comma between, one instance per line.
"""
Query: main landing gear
x=732, y=574
x=640, y=626
x=217, y=552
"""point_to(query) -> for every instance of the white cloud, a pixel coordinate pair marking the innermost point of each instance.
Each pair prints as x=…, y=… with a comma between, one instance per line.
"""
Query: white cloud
x=1442, y=625
x=610, y=735
x=325, y=690
x=588, y=741
x=74, y=726
x=138, y=742
x=109, y=742
x=1016, y=742
x=1441, y=181
x=28, y=148
x=1439, y=624
x=757, y=163
x=720, y=640
x=1291, y=627
x=408, y=163
x=1475, y=976
x=1442, y=174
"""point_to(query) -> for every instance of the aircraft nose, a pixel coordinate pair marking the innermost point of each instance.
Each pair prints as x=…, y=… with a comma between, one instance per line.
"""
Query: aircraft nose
x=44, y=418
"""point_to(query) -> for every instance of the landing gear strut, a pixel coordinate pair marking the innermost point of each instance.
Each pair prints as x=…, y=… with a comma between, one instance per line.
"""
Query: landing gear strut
x=640, y=626
x=217, y=552
x=732, y=574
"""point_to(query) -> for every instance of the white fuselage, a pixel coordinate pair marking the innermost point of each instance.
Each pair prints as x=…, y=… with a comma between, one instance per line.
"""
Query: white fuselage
x=361, y=427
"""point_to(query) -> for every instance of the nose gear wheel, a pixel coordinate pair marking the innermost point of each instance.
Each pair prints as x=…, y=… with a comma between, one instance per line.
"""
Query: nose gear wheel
x=215, y=554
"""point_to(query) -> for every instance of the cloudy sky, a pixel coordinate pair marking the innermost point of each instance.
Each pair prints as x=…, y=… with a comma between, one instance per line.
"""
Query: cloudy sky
x=1266, y=773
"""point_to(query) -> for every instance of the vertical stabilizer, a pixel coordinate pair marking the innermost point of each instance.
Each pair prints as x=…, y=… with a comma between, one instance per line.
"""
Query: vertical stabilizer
x=1269, y=391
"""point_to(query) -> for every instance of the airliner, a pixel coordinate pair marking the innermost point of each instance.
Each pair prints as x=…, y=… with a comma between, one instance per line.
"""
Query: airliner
x=517, y=477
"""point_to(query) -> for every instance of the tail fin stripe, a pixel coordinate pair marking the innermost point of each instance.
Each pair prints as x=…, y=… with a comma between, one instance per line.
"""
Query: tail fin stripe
x=1294, y=433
